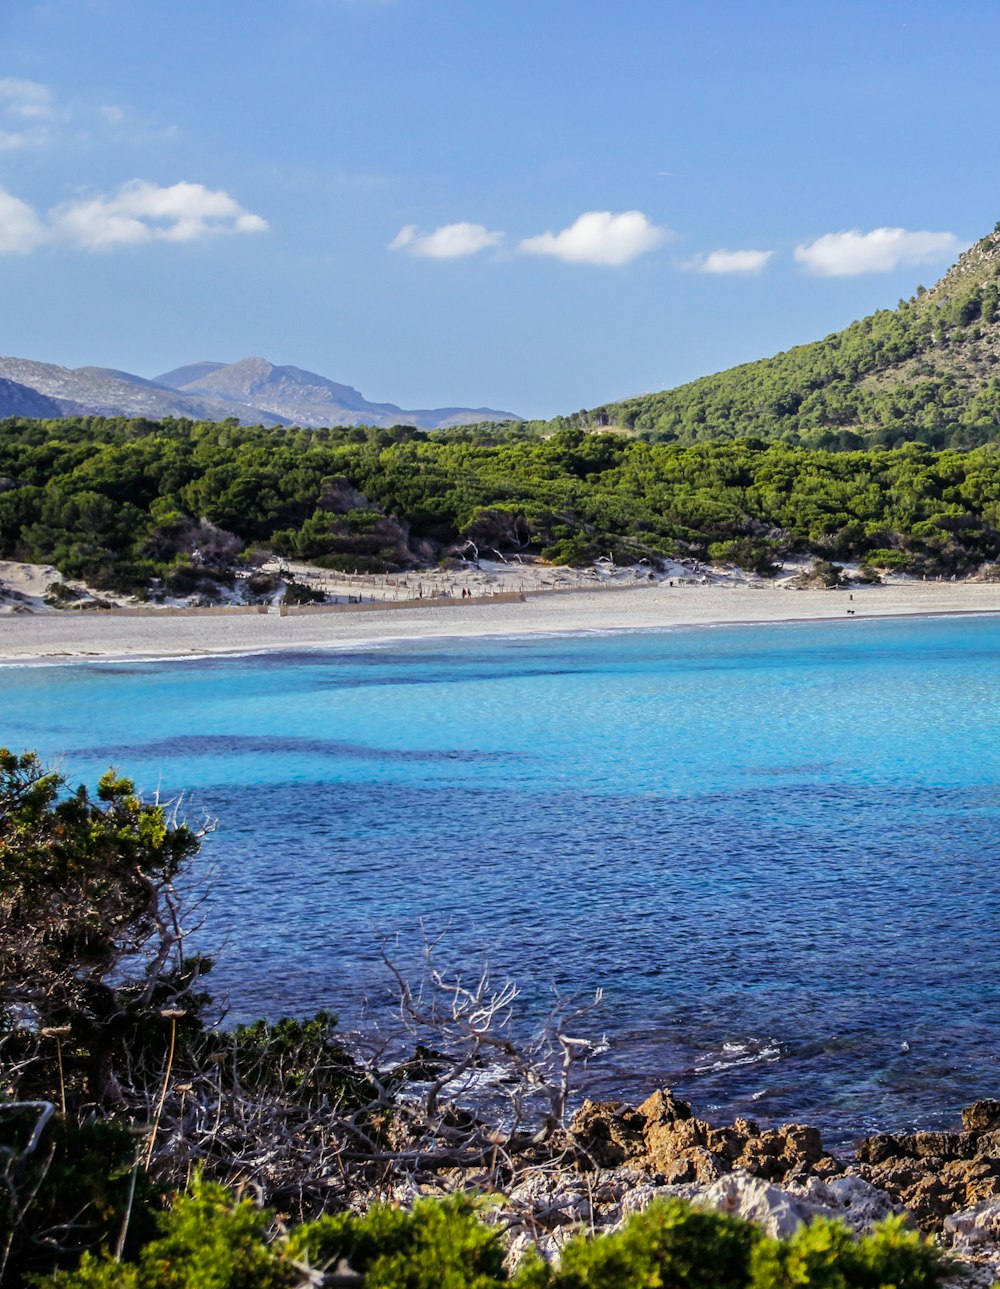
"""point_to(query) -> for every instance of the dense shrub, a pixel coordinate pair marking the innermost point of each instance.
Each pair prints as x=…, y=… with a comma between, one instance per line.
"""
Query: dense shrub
x=194, y=500
x=898, y=561
x=671, y=1243
x=71, y=1193
x=209, y=1240
x=824, y=1256
x=441, y=1244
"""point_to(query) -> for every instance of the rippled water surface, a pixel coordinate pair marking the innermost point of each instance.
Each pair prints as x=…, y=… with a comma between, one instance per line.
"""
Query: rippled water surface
x=777, y=849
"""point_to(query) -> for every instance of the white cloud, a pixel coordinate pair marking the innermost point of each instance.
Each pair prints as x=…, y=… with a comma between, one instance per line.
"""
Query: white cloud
x=11, y=140
x=28, y=99
x=449, y=242
x=723, y=261
x=852, y=252
x=26, y=113
x=31, y=115
x=20, y=228
x=405, y=237
x=599, y=237
x=139, y=212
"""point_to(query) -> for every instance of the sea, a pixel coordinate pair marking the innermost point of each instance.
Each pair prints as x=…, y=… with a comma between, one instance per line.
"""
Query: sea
x=774, y=850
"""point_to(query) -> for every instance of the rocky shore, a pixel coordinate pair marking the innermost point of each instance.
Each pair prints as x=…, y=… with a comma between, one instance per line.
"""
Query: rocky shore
x=615, y=1159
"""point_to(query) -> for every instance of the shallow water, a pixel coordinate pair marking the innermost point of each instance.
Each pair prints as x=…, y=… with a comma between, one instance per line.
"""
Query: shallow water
x=775, y=848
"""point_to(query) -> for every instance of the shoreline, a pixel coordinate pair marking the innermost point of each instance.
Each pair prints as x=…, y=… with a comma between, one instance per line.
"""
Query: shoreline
x=895, y=1169
x=67, y=636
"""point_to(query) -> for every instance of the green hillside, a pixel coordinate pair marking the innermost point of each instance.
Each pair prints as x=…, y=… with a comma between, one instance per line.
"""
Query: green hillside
x=181, y=508
x=879, y=444
x=928, y=370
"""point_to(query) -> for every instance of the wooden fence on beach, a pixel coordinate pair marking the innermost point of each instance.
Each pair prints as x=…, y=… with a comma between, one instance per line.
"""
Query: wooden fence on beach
x=354, y=605
x=370, y=603
x=179, y=611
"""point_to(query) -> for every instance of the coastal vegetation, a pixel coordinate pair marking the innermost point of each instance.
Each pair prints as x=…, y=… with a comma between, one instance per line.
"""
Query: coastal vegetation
x=177, y=507
x=209, y=1238
x=129, y=1118
x=923, y=372
x=878, y=444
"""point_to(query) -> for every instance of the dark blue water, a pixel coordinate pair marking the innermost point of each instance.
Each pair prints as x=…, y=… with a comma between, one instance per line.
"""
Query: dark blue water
x=777, y=850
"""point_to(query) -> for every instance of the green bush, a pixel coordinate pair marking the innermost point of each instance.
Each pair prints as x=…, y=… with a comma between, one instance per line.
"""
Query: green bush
x=70, y=1193
x=746, y=553
x=898, y=561
x=209, y=1240
x=296, y=1058
x=441, y=1244
x=829, y=575
x=299, y=593
x=671, y=1243
x=824, y=1256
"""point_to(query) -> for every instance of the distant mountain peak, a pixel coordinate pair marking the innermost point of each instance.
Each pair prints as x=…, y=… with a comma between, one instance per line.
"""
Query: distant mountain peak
x=305, y=398
x=103, y=391
x=182, y=376
x=253, y=390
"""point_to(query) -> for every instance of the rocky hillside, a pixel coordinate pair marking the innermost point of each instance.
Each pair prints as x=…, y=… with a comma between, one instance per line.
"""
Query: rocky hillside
x=21, y=400
x=253, y=391
x=926, y=370
x=100, y=391
x=304, y=398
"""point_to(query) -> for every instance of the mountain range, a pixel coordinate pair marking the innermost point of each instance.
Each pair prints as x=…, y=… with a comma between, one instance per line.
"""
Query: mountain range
x=253, y=391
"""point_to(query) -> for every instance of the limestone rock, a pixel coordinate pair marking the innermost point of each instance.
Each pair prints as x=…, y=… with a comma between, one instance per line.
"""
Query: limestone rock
x=663, y=1138
x=937, y=1173
x=664, y=1107
x=548, y=1208
x=776, y=1211
x=975, y=1230
x=607, y=1133
x=848, y=1198
x=981, y=1116
x=973, y=1236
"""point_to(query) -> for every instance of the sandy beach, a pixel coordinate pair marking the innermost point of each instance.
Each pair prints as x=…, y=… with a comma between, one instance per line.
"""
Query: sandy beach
x=58, y=637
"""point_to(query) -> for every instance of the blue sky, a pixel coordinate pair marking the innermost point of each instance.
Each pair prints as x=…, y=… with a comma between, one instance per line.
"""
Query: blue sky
x=536, y=205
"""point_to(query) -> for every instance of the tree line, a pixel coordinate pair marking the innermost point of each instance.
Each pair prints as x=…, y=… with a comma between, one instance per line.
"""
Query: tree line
x=134, y=505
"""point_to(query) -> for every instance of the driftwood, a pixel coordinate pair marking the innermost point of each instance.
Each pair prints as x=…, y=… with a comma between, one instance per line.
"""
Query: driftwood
x=104, y=1020
x=475, y=1100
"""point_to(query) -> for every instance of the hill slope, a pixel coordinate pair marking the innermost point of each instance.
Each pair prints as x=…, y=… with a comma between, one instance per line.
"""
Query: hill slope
x=926, y=370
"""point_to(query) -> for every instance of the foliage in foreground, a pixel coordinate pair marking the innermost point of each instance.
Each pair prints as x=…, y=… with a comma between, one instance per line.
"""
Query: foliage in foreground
x=114, y=1090
x=104, y=1031
x=209, y=1240
x=117, y=1084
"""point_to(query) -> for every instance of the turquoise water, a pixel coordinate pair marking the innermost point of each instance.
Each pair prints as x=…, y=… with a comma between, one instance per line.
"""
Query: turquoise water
x=777, y=849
